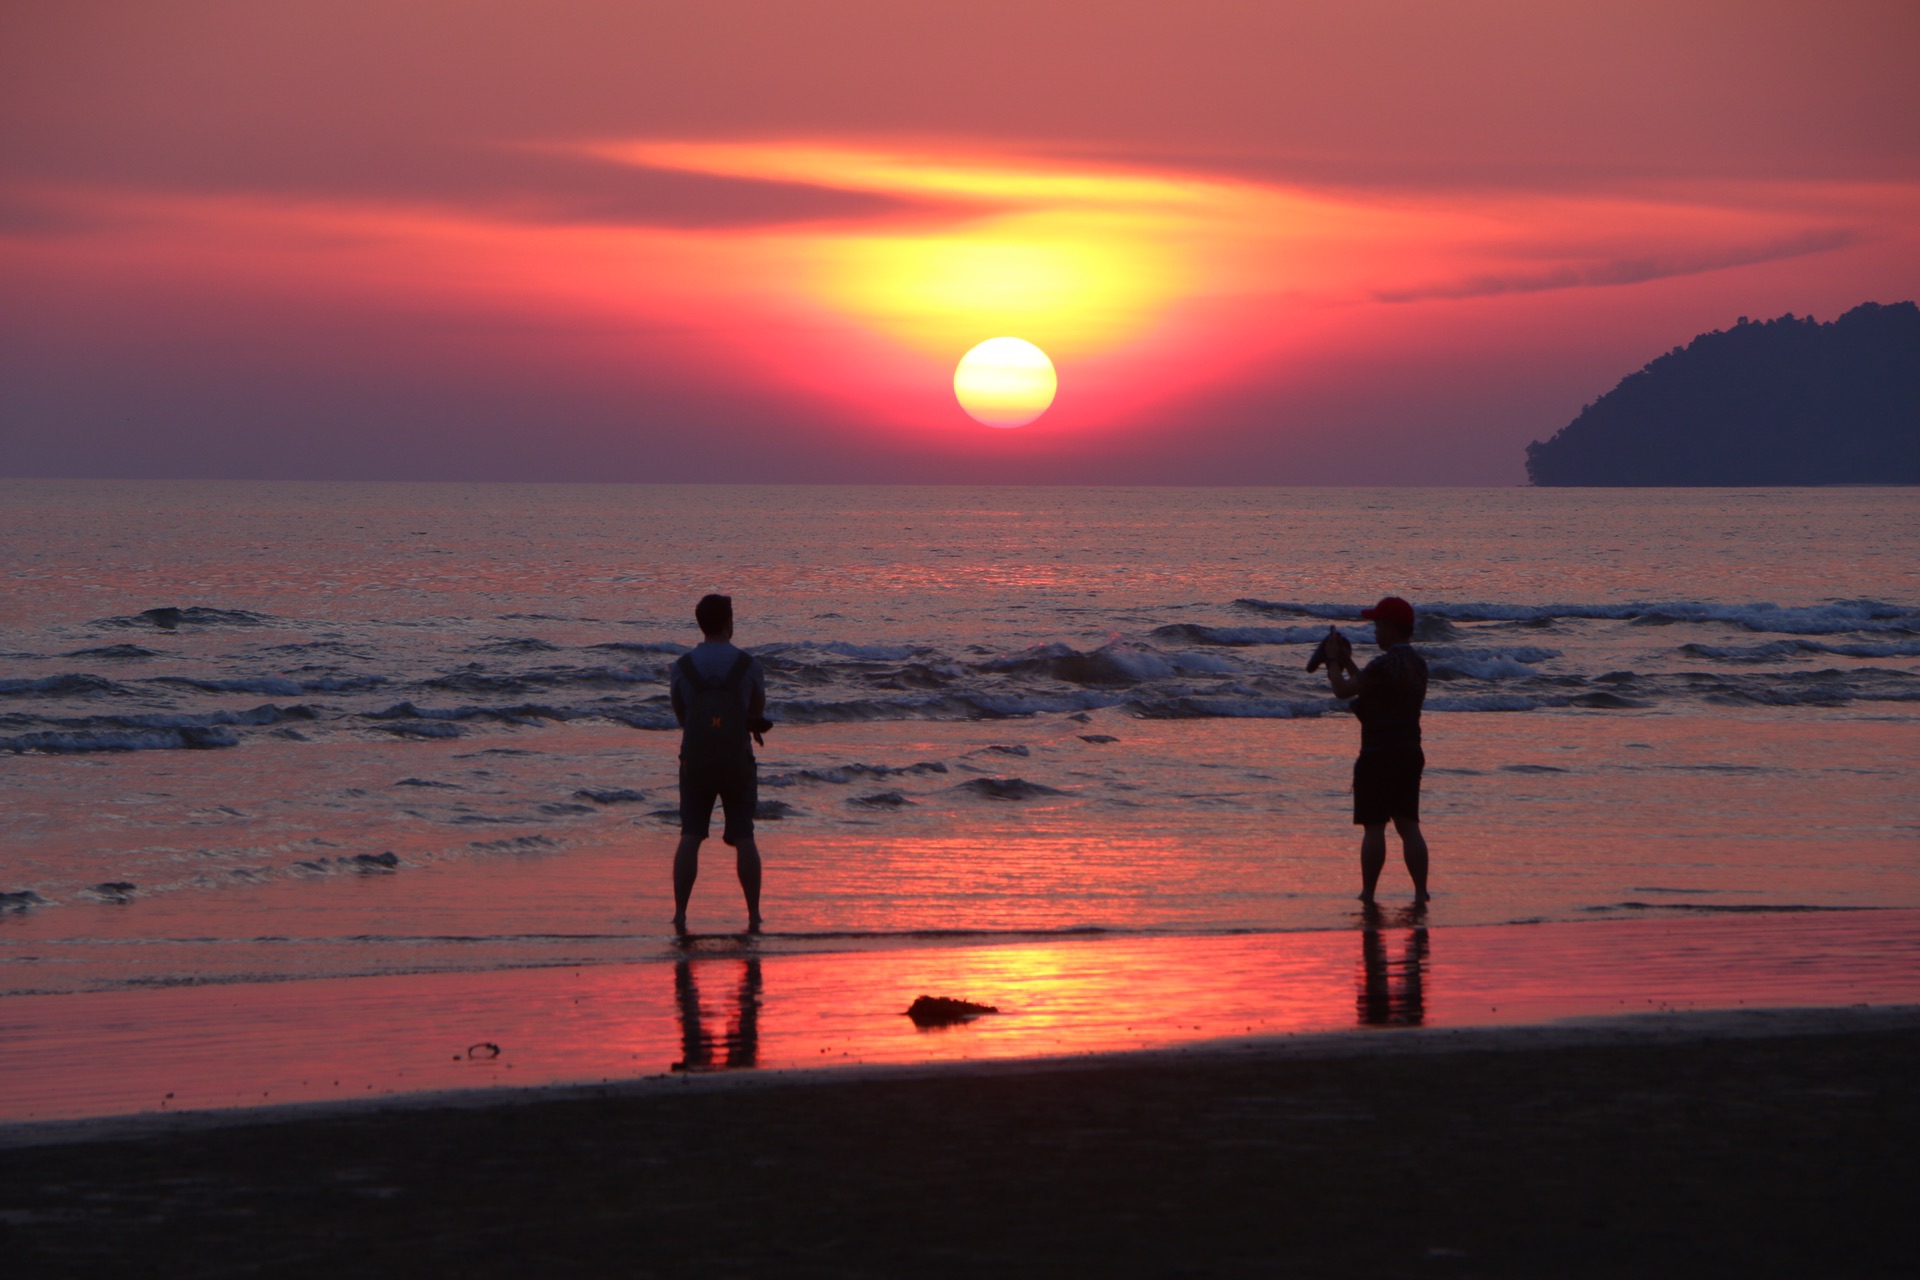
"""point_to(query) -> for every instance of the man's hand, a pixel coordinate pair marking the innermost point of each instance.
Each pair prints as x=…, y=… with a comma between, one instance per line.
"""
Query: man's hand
x=1341, y=674
x=1339, y=650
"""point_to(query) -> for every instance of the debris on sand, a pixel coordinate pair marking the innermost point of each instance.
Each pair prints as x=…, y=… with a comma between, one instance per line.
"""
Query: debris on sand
x=880, y=800
x=1006, y=788
x=611, y=795
x=939, y=1011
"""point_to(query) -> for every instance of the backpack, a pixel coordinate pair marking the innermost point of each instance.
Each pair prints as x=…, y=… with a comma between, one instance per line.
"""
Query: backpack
x=716, y=726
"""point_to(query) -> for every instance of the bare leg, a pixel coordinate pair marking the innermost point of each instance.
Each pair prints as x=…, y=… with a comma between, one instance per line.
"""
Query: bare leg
x=686, y=867
x=1413, y=846
x=747, y=862
x=1373, y=856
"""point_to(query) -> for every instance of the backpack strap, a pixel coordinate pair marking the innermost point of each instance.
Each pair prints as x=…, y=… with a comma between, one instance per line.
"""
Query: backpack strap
x=735, y=674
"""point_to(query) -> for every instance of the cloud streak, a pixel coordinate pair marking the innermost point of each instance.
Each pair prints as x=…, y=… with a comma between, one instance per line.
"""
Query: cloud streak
x=1637, y=270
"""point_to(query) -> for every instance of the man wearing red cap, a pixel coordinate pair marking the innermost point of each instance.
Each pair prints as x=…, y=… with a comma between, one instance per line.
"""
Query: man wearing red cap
x=1387, y=697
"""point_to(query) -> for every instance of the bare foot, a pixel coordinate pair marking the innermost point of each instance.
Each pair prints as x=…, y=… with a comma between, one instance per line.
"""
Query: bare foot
x=680, y=925
x=753, y=924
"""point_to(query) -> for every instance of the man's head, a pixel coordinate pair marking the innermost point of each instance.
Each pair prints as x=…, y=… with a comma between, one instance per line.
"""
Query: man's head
x=715, y=616
x=1392, y=621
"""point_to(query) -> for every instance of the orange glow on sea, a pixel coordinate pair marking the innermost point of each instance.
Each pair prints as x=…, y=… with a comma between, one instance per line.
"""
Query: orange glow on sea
x=724, y=1006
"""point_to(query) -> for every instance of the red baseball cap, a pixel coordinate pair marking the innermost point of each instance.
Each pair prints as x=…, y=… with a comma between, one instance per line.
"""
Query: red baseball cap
x=1391, y=609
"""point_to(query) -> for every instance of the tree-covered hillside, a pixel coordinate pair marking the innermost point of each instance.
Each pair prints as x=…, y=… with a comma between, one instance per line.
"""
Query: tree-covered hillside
x=1787, y=401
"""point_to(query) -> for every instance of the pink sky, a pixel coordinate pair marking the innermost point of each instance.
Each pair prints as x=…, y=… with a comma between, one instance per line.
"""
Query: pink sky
x=1263, y=243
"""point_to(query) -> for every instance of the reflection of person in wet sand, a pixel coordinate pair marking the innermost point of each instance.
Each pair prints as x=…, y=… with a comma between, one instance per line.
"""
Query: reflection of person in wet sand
x=720, y=699
x=740, y=1045
x=1380, y=1004
x=1387, y=697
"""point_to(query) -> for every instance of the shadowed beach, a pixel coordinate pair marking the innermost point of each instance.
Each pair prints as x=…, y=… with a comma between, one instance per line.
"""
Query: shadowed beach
x=1752, y=1144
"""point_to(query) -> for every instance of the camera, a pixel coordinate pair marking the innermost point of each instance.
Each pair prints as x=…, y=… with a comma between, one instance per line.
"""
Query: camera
x=1319, y=658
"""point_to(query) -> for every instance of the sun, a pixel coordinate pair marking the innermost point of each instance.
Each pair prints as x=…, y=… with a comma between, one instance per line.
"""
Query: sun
x=1005, y=382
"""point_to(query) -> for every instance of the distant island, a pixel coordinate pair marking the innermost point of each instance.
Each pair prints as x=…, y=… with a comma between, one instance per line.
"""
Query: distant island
x=1787, y=401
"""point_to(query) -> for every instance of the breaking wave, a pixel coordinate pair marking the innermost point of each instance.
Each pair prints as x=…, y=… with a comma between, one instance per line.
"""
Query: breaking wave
x=428, y=683
x=1823, y=619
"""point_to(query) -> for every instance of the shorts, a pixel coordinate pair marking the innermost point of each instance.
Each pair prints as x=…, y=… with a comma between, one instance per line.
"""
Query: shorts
x=1386, y=787
x=736, y=784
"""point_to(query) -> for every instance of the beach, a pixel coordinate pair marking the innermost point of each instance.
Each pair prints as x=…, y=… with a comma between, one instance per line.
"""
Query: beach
x=1675, y=1145
x=1302, y=624
x=334, y=925
x=1659, y=1097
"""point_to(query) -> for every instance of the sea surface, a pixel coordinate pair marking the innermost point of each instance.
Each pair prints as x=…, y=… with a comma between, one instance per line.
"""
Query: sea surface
x=264, y=732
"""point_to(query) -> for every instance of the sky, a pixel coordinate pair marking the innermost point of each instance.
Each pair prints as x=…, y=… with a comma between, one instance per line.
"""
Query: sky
x=588, y=240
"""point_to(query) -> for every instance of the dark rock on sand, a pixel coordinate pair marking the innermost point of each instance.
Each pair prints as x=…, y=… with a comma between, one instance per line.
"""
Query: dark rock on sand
x=1007, y=788
x=1098, y=738
x=940, y=1011
x=611, y=795
x=172, y=617
x=117, y=652
x=376, y=862
x=880, y=800
x=21, y=900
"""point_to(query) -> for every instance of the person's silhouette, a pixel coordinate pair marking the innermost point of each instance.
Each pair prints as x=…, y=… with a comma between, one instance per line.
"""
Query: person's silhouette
x=1387, y=697
x=1381, y=1001
x=719, y=696
x=739, y=1046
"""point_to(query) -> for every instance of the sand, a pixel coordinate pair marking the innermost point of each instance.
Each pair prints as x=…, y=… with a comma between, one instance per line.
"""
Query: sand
x=1752, y=1144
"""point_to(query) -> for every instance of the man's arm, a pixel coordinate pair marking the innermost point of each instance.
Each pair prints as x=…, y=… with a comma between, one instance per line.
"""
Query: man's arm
x=757, y=704
x=1342, y=675
x=679, y=703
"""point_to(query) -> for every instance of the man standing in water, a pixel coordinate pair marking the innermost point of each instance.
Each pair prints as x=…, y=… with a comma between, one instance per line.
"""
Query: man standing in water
x=720, y=699
x=1387, y=697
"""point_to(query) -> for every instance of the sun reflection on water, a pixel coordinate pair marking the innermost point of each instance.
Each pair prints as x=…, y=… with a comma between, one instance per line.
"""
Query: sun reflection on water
x=726, y=1005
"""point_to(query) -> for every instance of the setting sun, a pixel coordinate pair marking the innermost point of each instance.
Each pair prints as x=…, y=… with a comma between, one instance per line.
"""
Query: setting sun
x=1005, y=382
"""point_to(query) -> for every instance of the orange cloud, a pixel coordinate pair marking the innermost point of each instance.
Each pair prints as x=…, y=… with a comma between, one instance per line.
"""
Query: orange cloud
x=1145, y=284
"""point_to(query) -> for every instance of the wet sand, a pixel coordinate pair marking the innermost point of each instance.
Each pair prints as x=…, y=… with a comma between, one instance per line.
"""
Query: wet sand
x=1755, y=1143
x=748, y=1003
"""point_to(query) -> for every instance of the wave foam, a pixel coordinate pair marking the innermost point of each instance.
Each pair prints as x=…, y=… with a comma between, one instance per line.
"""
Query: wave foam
x=172, y=617
x=68, y=685
x=1822, y=619
x=55, y=742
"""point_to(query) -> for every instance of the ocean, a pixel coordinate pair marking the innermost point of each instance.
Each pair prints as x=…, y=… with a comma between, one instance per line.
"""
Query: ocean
x=254, y=733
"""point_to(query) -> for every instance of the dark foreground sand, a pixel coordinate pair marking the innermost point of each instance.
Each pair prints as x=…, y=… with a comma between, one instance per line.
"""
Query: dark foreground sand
x=1770, y=1145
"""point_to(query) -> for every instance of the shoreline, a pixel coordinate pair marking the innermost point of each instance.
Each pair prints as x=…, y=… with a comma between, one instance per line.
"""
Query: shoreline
x=1760, y=1143
x=1663, y=1029
x=733, y=1011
